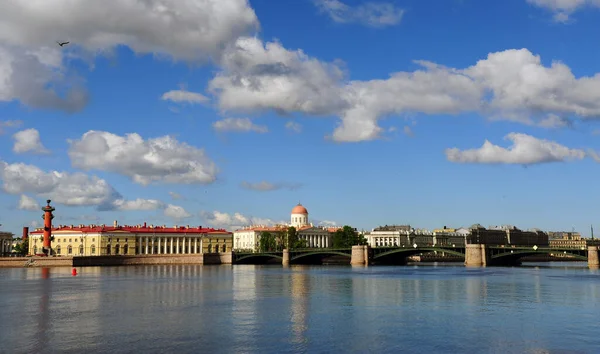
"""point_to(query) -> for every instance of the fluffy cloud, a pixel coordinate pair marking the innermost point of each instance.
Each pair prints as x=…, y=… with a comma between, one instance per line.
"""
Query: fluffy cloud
x=9, y=124
x=28, y=140
x=31, y=69
x=138, y=204
x=182, y=96
x=72, y=189
x=373, y=14
x=233, y=221
x=257, y=76
x=176, y=212
x=62, y=187
x=265, y=186
x=525, y=150
x=512, y=85
x=293, y=126
x=175, y=196
x=162, y=159
x=238, y=125
x=28, y=203
x=563, y=8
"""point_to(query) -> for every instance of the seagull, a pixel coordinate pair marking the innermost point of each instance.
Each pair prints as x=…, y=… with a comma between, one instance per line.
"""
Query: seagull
x=62, y=43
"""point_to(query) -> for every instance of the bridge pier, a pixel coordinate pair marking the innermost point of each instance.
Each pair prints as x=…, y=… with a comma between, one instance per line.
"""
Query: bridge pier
x=476, y=255
x=593, y=259
x=285, y=257
x=360, y=255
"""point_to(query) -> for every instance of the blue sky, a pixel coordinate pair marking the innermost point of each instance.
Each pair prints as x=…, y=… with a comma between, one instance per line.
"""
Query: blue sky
x=368, y=113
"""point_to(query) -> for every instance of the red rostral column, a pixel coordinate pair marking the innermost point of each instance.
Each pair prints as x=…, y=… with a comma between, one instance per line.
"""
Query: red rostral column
x=48, y=209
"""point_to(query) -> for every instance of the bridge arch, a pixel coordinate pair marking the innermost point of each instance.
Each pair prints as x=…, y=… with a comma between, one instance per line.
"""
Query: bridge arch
x=258, y=258
x=320, y=254
x=514, y=256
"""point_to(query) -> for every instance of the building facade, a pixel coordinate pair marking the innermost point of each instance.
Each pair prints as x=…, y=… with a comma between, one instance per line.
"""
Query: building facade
x=6, y=243
x=507, y=235
x=102, y=240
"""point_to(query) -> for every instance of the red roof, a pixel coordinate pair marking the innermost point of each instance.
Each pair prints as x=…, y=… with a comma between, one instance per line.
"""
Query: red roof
x=139, y=229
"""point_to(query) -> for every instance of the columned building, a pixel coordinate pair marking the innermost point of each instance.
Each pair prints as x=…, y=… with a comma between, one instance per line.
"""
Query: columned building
x=102, y=240
x=248, y=238
x=6, y=243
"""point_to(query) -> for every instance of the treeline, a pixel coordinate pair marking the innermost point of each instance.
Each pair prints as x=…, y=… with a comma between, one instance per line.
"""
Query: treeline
x=288, y=238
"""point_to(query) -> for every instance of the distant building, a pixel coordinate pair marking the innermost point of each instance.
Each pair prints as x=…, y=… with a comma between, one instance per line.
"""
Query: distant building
x=566, y=239
x=102, y=240
x=6, y=243
x=248, y=238
x=506, y=235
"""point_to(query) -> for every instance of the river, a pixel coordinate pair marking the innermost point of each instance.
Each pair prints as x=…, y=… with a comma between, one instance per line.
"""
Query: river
x=546, y=308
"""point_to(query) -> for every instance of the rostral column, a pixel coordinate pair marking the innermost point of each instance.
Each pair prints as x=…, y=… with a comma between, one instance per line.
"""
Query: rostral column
x=48, y=216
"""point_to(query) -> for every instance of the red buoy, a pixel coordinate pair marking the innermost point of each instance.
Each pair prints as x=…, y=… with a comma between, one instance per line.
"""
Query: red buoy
x=74, y=272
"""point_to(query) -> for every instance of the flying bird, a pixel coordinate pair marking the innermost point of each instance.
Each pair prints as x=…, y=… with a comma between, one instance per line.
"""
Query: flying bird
x=62, y=43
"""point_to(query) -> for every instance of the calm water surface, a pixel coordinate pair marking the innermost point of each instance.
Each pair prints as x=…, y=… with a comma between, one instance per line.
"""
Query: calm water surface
x=270, y=309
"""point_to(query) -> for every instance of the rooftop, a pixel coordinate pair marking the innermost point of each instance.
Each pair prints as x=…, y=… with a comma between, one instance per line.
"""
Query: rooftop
x=140, y=228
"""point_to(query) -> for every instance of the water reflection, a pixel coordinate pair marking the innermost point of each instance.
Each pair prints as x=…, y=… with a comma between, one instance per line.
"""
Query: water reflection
x=257, y=309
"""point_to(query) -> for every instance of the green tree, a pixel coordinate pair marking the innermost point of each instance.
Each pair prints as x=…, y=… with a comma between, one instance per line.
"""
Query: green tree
x=22, y=247
x=347, y=237
x=267, y=242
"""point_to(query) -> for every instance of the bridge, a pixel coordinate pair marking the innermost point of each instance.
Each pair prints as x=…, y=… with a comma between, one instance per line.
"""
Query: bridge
x=473, y=254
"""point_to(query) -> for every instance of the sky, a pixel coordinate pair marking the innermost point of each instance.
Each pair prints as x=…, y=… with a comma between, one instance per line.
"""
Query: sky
x=226, y=113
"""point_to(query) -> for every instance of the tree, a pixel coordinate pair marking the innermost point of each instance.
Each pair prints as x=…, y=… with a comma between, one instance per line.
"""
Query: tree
x=22, y=248
x=347, y=237
x=267, y=242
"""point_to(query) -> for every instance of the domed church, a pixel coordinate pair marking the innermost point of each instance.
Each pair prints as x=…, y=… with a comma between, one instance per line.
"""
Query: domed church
x=316, y=237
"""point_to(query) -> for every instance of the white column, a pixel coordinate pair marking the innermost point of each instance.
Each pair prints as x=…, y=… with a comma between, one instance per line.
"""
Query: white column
x=152, y=245
x=195, y=244
x=201, y=243
x=177, y=245
x=159, y=251
x=171, y=245
x=146, y=244
x=139, y=245
x=184, y=244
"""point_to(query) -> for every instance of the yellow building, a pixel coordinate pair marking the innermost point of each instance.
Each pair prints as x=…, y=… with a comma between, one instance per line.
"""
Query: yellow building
x=102, y=240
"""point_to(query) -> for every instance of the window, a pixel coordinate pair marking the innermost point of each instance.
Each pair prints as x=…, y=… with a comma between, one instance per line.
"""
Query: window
x=70, y=250
x=80, y=249
x=125, y=249
x=117, y=249
x=93, y=249
x=224, y=248
x=209, y=248
x=34, y=249
x=57, y=249
x=108, y=249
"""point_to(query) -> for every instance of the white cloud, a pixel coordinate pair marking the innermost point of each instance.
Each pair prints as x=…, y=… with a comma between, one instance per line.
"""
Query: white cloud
x=255, y=76
x=525, y=150
x=138, y=204
x=293, y=126
x=176, y=212
x=327, y=223
x=62, y=187
x=408, y=131
x=554, y=121
x=28, y=140
x=31, y=69
x=182, y=96
x=175, y=196
x=563, y=9
x=510, y=85
x=373, y=14
x=9, y=124
x=28, y=203
x=265, y=186
x=238, y=125
x=233, y=221
x=72, y=189
x=162, y=159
